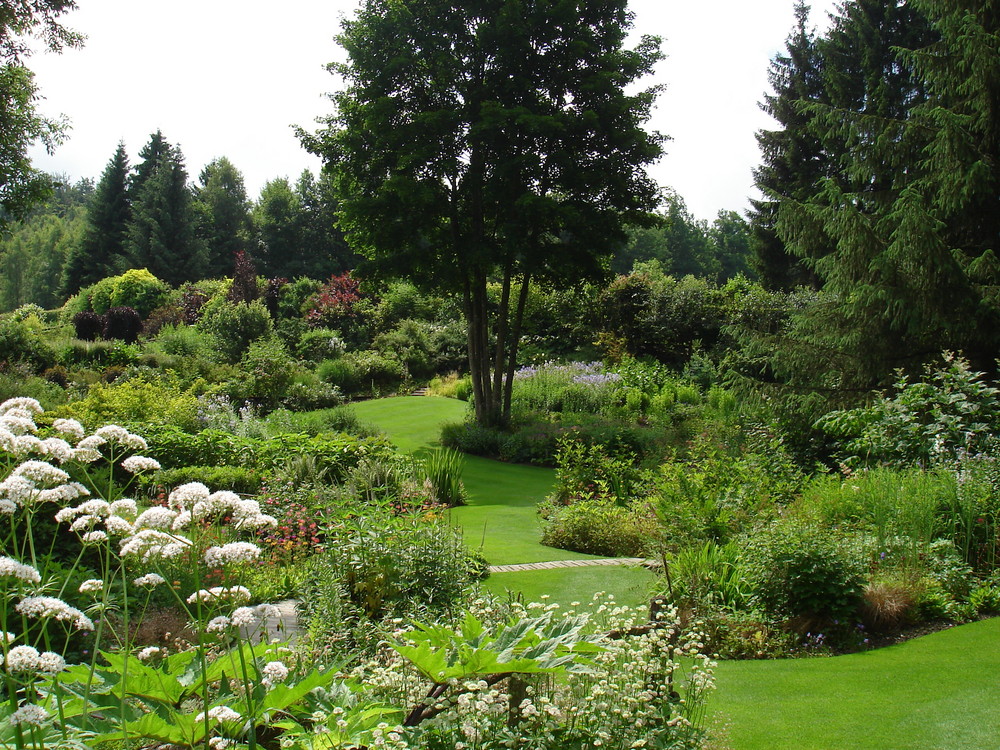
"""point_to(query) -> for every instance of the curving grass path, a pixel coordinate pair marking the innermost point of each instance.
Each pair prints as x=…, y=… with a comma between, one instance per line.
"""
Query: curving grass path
x=500, y=518
x=937, y=692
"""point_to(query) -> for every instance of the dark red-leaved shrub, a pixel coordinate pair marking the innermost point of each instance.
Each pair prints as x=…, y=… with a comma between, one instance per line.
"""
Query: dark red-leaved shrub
x=122, y=323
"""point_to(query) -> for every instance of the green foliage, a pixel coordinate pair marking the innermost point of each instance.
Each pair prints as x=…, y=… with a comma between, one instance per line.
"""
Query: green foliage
x=708, y=575
x=136, y=401
x=927, y=422
x=182, y=341
x=337, y=453
x=587, y=471
x=385, y=567
x=235, y=326
x=22, y=342
x=318, y=344
x=336, y=419
x=444, y=470
x=568, y=219
x=411, y=342
x=236, y=478
x=802, y=572
x=220, y=202
x=136, y=288
x=597, y=526
x=372, y=373
x=264, y=375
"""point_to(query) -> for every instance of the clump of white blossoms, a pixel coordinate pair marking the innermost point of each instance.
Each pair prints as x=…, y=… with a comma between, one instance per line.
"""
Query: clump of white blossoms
x=232, y=553
x=220, y=593
x=29, y=715
x=219, y=714
x=136, y=464
x=27, y=659
x=112, y=433
x=48, y=606
x=151, y=544
x=11, y=568
x=274, y=672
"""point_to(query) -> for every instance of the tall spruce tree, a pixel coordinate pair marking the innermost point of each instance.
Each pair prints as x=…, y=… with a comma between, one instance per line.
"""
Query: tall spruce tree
x=793, y=158
x=223, y=215
x=277, y=220
x=161, y=233
x=914, y=218
x=323, y=252
x=102, y=250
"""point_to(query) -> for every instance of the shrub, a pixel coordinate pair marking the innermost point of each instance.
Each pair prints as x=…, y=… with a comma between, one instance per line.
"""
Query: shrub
x=952, y=410
x=337, y=419
x=135, y=401
x=136, y=288
x=388, y=567
x=88, y=325
x=890, y=602
x=708, y=575
x=333, y=306
x=122, y=323
x=375, y=373
x=598, y=527
x=340, y=373
x=320, y=344
x=444, y=470
x=22, y=342
x=307, y=392
x=235, y=326
x=410, y=342
x=236, y=478
x=265, y=372
x=183, y=341
x=803, y=574
x=166, y=315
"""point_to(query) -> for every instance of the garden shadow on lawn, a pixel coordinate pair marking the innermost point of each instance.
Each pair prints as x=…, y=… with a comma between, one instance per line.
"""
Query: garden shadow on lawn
x=937, y=692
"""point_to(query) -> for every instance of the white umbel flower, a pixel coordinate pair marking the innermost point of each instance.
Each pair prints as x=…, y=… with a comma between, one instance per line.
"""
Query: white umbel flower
x=29, y=715
x=232, y=553
x=136, y=464
x=48, y=606
x=11, y=568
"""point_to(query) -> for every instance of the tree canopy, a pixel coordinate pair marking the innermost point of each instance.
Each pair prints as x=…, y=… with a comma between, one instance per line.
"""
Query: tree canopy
x=490, y=139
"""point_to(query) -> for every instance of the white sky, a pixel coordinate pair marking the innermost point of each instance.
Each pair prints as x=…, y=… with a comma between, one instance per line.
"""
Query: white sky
x=230, y=78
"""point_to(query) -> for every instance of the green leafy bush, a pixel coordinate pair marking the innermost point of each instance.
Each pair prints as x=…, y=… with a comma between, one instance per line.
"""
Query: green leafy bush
x=803, y=573
x=952, y=410
x=444, y=470
x=385, y=567
x=136, y=288
x=236, y=478
x=598, y=527
x=22, y=342
x=235, y=325
x=265, y=372
x=318, y=344
x=336, y=419
x=136, y=401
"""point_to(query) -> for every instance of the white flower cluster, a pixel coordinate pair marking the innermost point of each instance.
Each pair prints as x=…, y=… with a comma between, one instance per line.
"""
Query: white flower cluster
x=274, y=672
x=245, y=514
x=116, y=518
x=219, y=714
x=29, y=715
x=70, y=428
x=26, y=659
x=48, y=606
x=120, y=436
x=151, y=544
x=150, y=579
x=230, y=554
x=149, y=653
x=11, y=568
x=136, y=464
x=92, y=586
x=220, y=593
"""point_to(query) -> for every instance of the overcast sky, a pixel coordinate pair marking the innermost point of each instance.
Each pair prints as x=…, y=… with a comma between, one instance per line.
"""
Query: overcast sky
x=230, y=78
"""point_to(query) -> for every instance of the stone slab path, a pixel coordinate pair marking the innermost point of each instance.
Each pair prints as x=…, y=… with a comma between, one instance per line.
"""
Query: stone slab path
x=568, y=564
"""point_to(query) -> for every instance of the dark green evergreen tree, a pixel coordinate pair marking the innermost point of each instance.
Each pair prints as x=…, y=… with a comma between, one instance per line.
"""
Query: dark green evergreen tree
x=162, y=233
x=729, y=236
x=793, y=158
x=277, y=221
x=151, y=154
x=323, y=251
x=223, y=212
x=101, y=252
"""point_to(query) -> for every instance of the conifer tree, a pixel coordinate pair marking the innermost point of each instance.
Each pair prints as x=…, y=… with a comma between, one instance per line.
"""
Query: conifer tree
x=223, y=215
x=277, y=219
x=101, y=252
x=161, y=233
x=793, y=156
x=915, y=219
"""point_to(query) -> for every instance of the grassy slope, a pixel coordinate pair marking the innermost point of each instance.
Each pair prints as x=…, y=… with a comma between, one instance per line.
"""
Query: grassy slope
x=500, y=517
x=938, y=692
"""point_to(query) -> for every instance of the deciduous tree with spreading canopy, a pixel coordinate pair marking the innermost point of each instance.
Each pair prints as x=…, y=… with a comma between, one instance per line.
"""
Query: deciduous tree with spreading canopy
x=490, y=139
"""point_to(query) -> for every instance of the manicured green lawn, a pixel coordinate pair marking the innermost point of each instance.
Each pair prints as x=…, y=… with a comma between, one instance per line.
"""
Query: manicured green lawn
x=500, y=518
x=628, y=585
x=939, y=692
